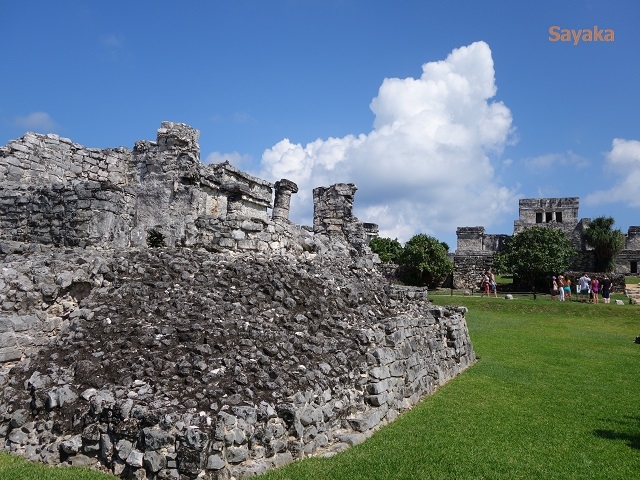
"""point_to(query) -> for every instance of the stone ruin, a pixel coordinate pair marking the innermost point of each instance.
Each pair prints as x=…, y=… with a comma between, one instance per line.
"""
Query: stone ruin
x=475, y=249
x=238, y=343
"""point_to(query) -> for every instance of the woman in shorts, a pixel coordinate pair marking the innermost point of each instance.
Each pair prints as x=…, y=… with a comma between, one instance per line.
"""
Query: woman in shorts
x=567, y=288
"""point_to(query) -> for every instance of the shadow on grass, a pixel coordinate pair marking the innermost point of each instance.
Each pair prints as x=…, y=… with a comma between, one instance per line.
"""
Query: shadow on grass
x=632, y=424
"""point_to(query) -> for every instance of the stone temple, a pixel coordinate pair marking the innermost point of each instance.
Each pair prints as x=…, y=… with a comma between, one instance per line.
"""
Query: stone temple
x=157, y=322
x=475, y=248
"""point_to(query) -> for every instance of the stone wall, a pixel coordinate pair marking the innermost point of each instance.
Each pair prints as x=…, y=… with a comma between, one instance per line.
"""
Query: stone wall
x=632, y=241
x=182, y=363
x=333, y=216
x=234, y=344
x=469, y=269
x=60, y=193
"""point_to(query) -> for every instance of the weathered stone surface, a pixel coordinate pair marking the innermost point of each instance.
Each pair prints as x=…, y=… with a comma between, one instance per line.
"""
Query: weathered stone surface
x=188, y=359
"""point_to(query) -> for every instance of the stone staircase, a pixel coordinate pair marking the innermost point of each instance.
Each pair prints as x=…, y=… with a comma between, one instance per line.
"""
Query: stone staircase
x=632, y=290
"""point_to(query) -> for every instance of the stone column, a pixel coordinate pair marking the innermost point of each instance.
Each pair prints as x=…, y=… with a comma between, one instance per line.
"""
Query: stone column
x=332, y=208
x=282, y=200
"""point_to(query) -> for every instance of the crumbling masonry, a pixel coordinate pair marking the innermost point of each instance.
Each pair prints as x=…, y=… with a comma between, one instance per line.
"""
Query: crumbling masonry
x=242, y=344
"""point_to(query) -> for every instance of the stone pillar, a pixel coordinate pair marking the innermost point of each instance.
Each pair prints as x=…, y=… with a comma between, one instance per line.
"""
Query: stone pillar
x=282, y=200
x=333, y=207
x=178, y=135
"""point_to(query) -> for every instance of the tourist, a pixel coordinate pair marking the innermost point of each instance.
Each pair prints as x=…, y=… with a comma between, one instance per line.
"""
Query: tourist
x=561, y=287
x=553, y=288
x=583, y=282
x=484, y=284
x=567, y=288
x=493, y=286
x=606, y=289
x=595, y=286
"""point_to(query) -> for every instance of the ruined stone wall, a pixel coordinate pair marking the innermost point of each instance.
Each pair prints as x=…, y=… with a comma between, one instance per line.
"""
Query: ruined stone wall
x=58, y=192
x=177, y=363
x=632, y=241
x=469, y=267
x=549, y=210
x=333, y=216
x=627, y=259
x=469, y=238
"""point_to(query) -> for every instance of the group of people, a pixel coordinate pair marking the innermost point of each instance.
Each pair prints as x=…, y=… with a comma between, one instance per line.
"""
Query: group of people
x=488, y=284
x=587, y=289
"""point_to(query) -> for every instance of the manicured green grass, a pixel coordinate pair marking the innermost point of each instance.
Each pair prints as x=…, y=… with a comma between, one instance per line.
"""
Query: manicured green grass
x=555, y=394
x=15, y=468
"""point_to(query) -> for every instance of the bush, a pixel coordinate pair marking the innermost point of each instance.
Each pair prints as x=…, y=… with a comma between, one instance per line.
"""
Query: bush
x=424, y=260
x=389, y=250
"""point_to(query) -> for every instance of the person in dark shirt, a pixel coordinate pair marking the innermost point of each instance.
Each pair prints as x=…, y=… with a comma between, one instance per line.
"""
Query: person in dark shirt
x=606, y=289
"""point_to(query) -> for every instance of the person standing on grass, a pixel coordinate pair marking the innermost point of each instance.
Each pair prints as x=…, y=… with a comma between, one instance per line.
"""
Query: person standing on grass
x=493, y=286
x=567, y=288
x=583, y=282
x=606, y=289
x=484, y=284
x=561, y=287
x=553, y=288
x=595, y=286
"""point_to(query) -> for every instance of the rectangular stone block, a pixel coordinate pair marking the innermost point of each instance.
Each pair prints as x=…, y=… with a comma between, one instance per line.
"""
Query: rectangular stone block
x=9, y=354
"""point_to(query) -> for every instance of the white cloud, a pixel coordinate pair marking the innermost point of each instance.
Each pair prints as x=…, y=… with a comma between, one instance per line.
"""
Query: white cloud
x=548, y=161
x=427, y=164
x=40, y=122
x=623, y=162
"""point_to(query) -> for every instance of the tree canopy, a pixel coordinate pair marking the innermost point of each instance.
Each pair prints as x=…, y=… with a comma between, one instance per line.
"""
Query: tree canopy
x=388, y=249
x=535, y=254
x=606, y=242
x=425, y=260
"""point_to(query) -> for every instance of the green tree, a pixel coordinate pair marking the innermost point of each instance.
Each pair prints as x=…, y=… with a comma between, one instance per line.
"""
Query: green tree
x=534, y=255
x=425, y=261
x=388, y=249
x=606, y=242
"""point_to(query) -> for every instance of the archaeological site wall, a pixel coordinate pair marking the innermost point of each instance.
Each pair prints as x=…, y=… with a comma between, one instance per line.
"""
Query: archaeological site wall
x=238, y=343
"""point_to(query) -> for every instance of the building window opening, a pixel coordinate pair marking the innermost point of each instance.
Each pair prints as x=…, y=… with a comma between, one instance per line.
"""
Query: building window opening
x=548, y=217
x=634, y=267
x=538, y=217
x=559, y=217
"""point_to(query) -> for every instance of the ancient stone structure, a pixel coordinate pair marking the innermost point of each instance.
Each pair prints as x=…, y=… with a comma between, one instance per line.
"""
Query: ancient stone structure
x=333, y=216
x=475, y=249
x=155, y=322
x=282, y=201
x=61, y=193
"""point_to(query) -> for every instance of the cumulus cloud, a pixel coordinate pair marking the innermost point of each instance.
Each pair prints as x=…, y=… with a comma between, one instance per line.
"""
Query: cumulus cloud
x=622, y=162
x=40, y=122
x=427, y=164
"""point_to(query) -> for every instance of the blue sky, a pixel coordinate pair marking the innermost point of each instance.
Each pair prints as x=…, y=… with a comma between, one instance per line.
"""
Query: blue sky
x=442, y=113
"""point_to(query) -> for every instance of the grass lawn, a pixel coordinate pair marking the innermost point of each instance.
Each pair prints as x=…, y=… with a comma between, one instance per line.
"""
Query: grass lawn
x=555, y=394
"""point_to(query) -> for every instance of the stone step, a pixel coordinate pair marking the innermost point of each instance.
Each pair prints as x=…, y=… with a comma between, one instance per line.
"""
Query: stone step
x=632, y=290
